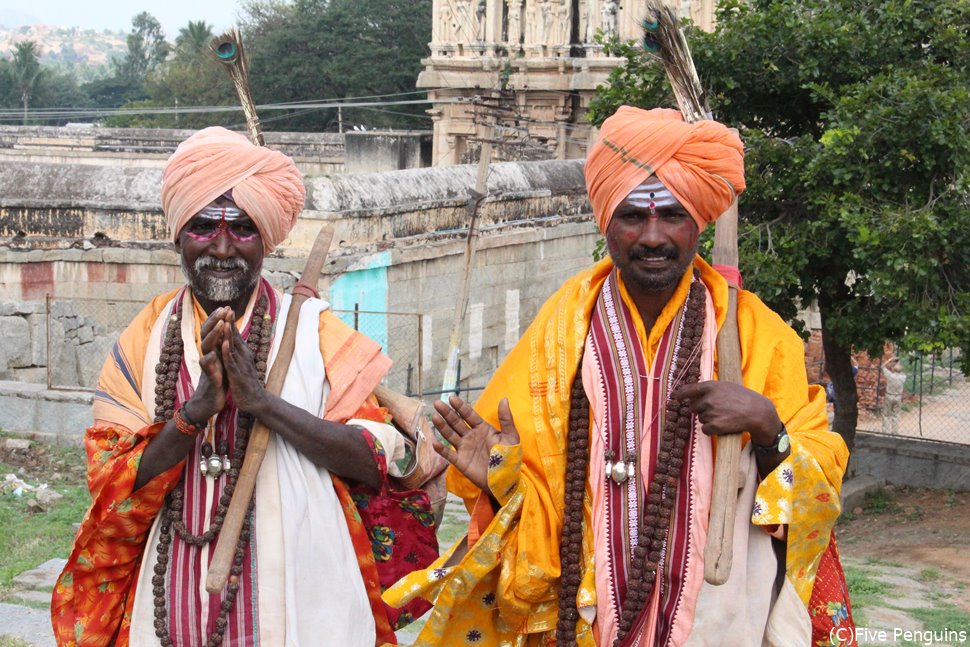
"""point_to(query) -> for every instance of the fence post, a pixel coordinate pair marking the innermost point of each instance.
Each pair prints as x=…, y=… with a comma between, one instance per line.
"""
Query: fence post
x=932, y=371
x=47, y=322
x=407, y=389
x=458, y=379
x=357, y=317
x=878, y=382
x=420, y=379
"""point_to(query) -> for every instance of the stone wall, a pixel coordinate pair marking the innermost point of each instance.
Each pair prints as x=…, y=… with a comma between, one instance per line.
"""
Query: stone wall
x=314, y=153
x=376, y=152
x=60, y=344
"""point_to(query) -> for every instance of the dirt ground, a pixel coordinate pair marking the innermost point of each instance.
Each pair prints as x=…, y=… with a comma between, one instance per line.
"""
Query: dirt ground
x=923, y=530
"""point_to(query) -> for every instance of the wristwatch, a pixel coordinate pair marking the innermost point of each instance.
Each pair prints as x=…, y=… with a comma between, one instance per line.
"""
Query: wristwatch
x=780, y=446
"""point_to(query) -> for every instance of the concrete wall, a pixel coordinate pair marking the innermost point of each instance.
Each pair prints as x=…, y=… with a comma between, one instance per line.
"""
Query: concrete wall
x=906, y=461
x=376, y=152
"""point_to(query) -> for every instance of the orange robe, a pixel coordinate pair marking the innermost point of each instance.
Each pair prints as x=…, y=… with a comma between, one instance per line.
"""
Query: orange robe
x=504, y=591
x=92, y=600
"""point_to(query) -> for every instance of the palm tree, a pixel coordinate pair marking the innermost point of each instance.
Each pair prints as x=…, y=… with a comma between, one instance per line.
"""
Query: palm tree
x=26, y=70
x=193, y=40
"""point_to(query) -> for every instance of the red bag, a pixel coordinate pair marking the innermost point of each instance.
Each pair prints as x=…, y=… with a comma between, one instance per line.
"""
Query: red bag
x=402, y=531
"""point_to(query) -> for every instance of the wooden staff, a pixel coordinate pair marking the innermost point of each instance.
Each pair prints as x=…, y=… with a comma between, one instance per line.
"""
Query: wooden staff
x=664, y=39
x=229, y=51
x=719, y=549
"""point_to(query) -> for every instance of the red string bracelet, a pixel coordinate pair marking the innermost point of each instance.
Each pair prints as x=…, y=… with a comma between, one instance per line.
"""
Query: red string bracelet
x=183, y=425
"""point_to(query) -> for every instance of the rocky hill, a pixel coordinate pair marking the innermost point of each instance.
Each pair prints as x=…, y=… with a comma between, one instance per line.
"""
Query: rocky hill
x=71, y=47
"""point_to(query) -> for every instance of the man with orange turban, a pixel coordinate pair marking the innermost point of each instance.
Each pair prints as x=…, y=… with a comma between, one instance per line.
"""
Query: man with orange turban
x=587, y=464
x=175, y=403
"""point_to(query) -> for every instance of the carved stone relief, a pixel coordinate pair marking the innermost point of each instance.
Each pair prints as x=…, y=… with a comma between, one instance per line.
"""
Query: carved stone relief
x=610, y=10
x=514, y=23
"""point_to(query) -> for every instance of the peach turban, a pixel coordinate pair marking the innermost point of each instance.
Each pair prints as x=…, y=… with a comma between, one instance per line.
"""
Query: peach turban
x=701, y=163
x=265, y=183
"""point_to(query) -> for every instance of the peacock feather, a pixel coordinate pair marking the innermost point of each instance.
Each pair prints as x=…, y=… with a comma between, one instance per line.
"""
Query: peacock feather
x=663, y=39
x=228, y=49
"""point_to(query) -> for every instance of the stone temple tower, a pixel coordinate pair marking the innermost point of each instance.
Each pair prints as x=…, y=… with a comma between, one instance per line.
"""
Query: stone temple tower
x=543, y=56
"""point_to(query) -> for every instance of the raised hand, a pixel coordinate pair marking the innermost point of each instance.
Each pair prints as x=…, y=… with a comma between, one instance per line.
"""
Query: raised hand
x=472, y=437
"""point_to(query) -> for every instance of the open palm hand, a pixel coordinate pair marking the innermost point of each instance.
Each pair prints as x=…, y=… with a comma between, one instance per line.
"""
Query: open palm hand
x=472, y=437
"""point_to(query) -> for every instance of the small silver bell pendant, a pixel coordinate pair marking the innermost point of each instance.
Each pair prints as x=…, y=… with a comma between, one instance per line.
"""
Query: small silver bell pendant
x=619, y=473
x=214, y=466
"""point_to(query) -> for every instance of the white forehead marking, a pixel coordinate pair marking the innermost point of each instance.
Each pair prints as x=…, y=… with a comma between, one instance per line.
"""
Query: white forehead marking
x=651, y=193
x=211, y=212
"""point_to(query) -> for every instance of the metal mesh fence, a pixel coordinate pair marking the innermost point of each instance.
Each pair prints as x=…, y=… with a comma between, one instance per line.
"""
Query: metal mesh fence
x=401, y=335
x=927, y=397
x=78, y=334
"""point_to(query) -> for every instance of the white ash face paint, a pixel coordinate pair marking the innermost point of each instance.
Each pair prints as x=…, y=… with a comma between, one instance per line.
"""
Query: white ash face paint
x=212, y=212
x=652, y=194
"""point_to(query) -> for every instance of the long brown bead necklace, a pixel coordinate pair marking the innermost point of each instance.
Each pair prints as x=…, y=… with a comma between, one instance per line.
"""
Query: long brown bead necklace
x=661, y=492
x=169, y=363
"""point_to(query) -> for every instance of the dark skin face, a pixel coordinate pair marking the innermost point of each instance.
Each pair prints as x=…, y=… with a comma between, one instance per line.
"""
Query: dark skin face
x=651, y=251
x=222, y=271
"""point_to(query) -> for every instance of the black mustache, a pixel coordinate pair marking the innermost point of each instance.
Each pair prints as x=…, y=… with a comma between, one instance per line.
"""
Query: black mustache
x=647, y=253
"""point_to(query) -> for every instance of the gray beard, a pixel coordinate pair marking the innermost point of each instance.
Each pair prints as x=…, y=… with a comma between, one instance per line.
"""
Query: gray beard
x=215, y=289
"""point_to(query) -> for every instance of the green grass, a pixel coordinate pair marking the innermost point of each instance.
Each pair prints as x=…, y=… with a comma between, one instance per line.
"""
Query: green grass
x=11, y=641
x=943, y=616
x=929, y=575
x=29, y=537
x=865, y=590
x=879, y=501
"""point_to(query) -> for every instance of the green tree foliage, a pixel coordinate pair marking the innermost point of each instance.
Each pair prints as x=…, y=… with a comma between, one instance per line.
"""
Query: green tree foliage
x=327, y=49
x=192, y=43
x=31, y=87
x=147, y=49
x=192, y=77
x=26, y=71
x=856, y=120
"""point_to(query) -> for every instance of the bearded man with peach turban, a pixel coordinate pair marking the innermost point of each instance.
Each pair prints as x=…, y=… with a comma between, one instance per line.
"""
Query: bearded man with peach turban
x=176, y=400
x=587, y=464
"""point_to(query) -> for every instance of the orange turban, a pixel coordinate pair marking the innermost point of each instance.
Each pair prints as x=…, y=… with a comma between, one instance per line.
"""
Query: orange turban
x=701, y=163
x=265, y=183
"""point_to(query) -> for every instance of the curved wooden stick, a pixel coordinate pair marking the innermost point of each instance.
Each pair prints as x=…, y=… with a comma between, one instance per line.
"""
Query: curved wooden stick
x=718, y=552
x=259, y=437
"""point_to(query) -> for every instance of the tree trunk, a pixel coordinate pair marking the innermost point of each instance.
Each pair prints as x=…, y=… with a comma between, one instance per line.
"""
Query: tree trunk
x=838, y=364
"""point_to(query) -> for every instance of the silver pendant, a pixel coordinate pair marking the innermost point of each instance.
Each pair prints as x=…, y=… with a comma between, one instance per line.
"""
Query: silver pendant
x=214, y=466
x=619, y=472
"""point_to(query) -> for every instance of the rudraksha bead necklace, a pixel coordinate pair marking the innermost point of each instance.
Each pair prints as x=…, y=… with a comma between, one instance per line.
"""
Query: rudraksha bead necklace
x=660, y=493
x=169, y=363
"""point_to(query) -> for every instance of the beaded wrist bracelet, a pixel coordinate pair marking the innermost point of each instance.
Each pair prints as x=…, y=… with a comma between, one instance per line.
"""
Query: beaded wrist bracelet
x=183, y=425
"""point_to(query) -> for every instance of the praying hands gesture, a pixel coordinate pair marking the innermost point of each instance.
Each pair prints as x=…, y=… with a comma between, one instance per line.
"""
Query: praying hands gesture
x=210, y=394
x=472, y=437
x=227, y=367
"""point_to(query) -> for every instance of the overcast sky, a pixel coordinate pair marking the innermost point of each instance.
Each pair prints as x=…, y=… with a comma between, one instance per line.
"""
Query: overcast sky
x=117, y=14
